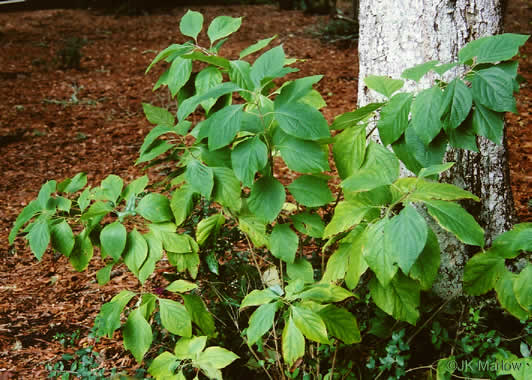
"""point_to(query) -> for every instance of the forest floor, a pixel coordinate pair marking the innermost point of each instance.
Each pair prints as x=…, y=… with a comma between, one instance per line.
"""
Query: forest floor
x=57, y=122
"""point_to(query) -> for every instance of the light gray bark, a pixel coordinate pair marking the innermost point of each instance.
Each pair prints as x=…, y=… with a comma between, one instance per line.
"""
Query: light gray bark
x=397, y=34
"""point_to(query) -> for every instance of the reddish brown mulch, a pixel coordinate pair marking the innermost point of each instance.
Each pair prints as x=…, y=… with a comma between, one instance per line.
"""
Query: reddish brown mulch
x=46, y=134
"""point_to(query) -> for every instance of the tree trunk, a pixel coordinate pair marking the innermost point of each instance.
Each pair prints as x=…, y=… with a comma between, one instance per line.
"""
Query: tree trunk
x=397, y=34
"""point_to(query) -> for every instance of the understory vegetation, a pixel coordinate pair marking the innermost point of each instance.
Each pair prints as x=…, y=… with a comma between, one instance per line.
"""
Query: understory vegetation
x=285, y=278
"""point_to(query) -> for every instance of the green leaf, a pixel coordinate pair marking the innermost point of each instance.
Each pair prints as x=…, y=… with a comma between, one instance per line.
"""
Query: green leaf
x=62, y=238
x=188, y=348
x=173, y=50
x=446, y=368
x=227, y=189
x=136, y=251
x=325, y=293
x=260, y=322
x=137, y=335
x=210, y=59
x=189, y=105
x=435, y=169
x=75, y=184
x=425, y=269
x=341, y=324
x=302, y=269
x=506, y=296
x=175, y=318
x=310, y=324
x=302, y=121
x=383, y=85
x=268, y=65
x=349, y=150
x=457, y=101
x=296, y=90
x=156, y=149
x=191, y=24
x=425, y=114
x=104, y=275
x=308, y=224
x=240, y=73
x=209, y=226
x=224, y=125
x=255, y=228
x=182, y=203
x=181, y=286
x=217, y=357
x=394, y=118
x=523, y=288
x=97, y=209
x=519, y=238
x=108, y=319
x=45, y=193
x=452, y=217
x=417, y=72
x=223, y=26
x=258, y=297
x=82, y=252
x=199, y=313
x=266, y=198
x=350, y=119
x=155, y=253
x=163, y=366
x=346, y=215
x=300, y=155
x=311, y=191
x=482, y=272
x=109, y=190
x=493, y=88
x=178, y=74
x=400, y=298
x=405, y=237
x=422, y=190
x=26, y=214
x=208, y=78
x=200, y=178
x=357, y=265
x=381, y=167
x=259, y=45
x=444, y=67
x=284, y=243
x=492, y=48
x=247, y=158
x=293, y=342
x=39, y=238
x=488, y=123
x=113, y=239
x=377, y=254
x=158, y=116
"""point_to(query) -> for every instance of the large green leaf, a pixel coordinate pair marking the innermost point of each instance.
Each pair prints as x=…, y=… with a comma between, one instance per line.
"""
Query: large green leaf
x=425, y=269
x=349, y=150
x=191, y=24
x=482, y=272
x=175, y=318
x=284, y=243
x=173, y=50
x=182, y=203
x=452, y=217
x=308, y=224
x=380, y=259
x=240, y=73
x=207, y=79
x=310, y=324
x=423, y=190
x=266, y=198
x=227, y=189
x=208, y=226
x=394, y=118
x=425, y=114
x=260, y=322
x=200, y=178
x=341, y=324
x=357, y=265
x=189, y=105
x=300, y=155
x=222, y=26
x=255, y=228
x=217, y=357
x=506, y=296
x=488, y=123
x=224, y=125
x=188, y=348
x=39, y=238
x=199, y=313
x=301, y=269
x=108, y=319
x=383, y=85
x=259, y=45
x=25, y=215
x=405, y=237
x=155, y=253
x=417, y=72
x=163, y=366
x=519, y=238
x=181, y=286
x=247, y=158
x=136, y=251
x=268, y=65
x=74, y=184
x=158, y=116
x=457, y=101
x=293, y=342
x=523, y=288
x=97, y=209
x=62, y=238
x=325, y=293
x=82, y=252
x=178, y=74
x=492, y=48
x=301, y=121
x=400, y=298
x=45, y=193
x=346, y=215
x=137, y=335
x=350, y=119
x=296, y=90
x=381, y=167
x=311, y=191
x=493, y=88
x=258, y=297
x=113, y=239
x=155, y=207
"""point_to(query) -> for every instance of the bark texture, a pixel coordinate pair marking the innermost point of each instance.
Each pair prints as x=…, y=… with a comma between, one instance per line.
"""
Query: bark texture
x=397, y=34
